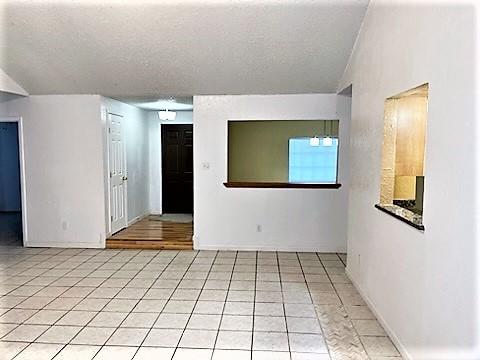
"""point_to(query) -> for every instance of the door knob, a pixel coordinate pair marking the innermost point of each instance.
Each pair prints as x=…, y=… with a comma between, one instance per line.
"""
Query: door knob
x=124, y=178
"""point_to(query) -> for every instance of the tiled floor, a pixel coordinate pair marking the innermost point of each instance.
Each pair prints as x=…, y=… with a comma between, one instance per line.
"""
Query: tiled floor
x=131, y=304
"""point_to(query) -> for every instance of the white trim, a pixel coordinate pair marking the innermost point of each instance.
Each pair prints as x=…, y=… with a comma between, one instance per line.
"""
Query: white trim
x=293, y=248
x=75, y=245
x=23, y=187
x=400, y=346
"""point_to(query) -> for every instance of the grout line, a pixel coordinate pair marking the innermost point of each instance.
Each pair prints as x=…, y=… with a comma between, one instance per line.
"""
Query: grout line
x=48, y=326
x=342, y=305
x=283, y=303
x=224, y=302
x=38, y=310
x=138, y=301
x=196, y=301
x=314, y=305
x=254, y=304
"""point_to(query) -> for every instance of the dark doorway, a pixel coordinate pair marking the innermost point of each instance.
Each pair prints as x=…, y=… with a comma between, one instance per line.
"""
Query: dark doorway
x=177, y=168
x=10, y=191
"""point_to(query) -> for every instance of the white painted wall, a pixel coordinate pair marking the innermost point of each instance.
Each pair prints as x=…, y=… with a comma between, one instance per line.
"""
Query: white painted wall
x=136, y=127
x=63, y=169
x=10, y=198
x=292, y=219
x=155, y=133
x=421, y=284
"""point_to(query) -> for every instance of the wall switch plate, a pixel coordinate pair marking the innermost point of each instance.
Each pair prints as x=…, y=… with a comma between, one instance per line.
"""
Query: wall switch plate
x=205, y=165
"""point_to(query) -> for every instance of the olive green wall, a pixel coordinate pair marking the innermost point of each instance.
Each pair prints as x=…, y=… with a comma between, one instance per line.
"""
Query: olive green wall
x=258, y=150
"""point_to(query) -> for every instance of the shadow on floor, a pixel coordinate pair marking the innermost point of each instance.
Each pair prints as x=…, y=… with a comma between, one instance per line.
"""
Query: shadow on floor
x=11, y=228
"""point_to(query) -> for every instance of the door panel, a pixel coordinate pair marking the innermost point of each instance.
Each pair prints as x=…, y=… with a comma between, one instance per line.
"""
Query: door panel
x=177, y=168
x=117, y=173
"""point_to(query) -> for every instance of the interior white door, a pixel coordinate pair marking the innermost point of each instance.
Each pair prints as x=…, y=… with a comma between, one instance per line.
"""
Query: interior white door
x=118, y=175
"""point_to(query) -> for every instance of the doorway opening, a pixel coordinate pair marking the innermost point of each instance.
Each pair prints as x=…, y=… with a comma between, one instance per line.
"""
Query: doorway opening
x=150, y=174
x=12, y=212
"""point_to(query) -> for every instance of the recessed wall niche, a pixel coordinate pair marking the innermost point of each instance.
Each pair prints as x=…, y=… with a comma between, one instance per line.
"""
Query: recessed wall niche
x=403, y=155
x=283, y=153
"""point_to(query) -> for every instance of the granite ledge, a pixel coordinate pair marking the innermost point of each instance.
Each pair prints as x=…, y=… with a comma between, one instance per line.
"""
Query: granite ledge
x=402, y=214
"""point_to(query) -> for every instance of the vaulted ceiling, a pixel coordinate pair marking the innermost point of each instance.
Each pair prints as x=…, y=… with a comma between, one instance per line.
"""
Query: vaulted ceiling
x=137, y=48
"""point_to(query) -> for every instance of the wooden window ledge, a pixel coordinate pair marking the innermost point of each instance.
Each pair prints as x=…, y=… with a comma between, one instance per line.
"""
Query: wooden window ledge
x=279, y=185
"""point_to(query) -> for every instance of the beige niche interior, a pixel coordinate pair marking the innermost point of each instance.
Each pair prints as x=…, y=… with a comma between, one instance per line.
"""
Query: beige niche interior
x=403, y=154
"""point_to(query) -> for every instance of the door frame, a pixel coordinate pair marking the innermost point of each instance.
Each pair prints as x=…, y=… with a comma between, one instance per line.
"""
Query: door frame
x=21, y=157
x=107, y=174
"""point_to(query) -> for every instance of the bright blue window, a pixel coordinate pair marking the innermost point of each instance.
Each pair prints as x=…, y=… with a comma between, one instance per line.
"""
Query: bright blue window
x=312, y=164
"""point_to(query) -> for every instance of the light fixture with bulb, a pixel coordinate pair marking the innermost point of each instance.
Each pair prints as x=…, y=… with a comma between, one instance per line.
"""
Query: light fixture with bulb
x=327, y=141
x=167, y=115
x=314, y=141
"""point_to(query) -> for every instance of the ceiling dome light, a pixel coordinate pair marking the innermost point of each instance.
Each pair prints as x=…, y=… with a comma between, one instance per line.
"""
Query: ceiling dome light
x=167, y=115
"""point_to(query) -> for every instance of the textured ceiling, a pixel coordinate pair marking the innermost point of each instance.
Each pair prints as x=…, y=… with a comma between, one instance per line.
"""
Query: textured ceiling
x=151, y=48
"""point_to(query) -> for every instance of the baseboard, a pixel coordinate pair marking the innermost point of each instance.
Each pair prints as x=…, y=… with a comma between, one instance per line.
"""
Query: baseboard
x=400, y=346
x=137, y=219
x=197, y=246
x=75, y=245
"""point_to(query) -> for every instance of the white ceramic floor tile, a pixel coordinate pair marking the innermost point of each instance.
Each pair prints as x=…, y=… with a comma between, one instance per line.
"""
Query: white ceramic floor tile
x=10, y=349
x=59, y=334
x=310, y=356
x=204, y=322
x=189, y=354
x=6, y=328
x=77, y=318
x=128, y=337
x=17, y=316
x=270, y=323
x=209, y=307
x=312, y=343
x=163, y=337
x=219, y=354
x=198, y=339
x=46, y=317
x=26, y=333
x=154, y=353
x=150, y=305
x=368, y=327
x=140, y=320
x=39, y=352
x=303, y=325
x=108, y=319
x=270, y=355
x=187, y=296
x=93, y=336
x=268, y=341
x=77, y=352
x=379, y=346
x=116, y=352
x=172, y=321
x=234, y=340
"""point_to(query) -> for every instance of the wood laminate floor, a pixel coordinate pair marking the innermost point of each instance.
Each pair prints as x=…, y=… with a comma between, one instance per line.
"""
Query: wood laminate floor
x=151, y=233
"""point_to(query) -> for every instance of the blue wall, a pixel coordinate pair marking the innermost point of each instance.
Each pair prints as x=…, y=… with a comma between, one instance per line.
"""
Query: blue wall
x=10, y=199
